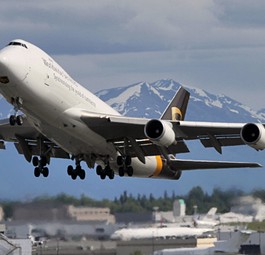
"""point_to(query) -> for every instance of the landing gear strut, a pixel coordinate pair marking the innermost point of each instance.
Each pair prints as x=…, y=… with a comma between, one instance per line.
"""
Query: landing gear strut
x=124, y=164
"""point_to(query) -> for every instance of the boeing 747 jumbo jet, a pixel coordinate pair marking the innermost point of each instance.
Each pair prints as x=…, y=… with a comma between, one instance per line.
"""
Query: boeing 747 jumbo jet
x=62, y=119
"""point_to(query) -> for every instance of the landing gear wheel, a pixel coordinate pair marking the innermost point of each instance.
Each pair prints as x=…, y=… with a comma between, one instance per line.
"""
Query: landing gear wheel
x=99, y=170
x=102, y=175
x=37, y=172
x=130, y=171
x=121, y=171
x=12, y=120
x=19, y=120
x=111, y=175
x=35, y=161
x=45, y=172
x=70, y=170
x=82, y=174
x=74, y=175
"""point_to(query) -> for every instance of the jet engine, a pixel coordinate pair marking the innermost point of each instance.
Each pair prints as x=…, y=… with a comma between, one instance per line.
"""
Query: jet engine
x=160, y=132
x=254, y=135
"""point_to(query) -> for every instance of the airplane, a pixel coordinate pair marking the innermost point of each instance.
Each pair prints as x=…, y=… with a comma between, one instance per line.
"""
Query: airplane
x=55, y=117
x=126, y=234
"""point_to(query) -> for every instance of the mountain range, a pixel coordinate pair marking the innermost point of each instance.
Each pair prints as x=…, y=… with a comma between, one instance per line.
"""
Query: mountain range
x=150, y=99
x=143, y=100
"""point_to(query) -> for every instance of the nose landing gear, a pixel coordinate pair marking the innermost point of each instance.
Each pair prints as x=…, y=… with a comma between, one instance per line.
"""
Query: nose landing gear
x=13, y=120
x=16, y=119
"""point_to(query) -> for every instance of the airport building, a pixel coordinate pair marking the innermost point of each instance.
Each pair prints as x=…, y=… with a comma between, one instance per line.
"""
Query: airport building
x=46, y=212
x=90, y=214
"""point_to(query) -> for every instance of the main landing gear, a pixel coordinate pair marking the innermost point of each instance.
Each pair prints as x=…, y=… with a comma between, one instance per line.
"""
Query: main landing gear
x=78, y=171
x=104, y=172
x=124, y=164
x=40, y=166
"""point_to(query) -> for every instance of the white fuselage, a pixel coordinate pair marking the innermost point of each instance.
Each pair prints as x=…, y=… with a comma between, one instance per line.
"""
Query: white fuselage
x=53, y=103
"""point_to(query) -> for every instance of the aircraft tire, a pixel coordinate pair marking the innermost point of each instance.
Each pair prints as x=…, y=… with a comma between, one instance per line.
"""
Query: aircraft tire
x=82, y=174
x=12, y=120
x=121, y=171
x=74, y=175
x=102, y=176
x=45, y=172
x=70, y=170
x=111, y=175
x=19, y=120
x=35, y=161
x=130, y=171
x=99, y=169
x=37, y=172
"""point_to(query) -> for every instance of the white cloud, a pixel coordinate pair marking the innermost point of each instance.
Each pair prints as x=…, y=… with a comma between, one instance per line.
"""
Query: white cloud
x=123, y=25
x=216, y=45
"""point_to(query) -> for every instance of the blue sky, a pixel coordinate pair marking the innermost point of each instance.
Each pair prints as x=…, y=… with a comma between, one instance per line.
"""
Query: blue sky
x=214, y=45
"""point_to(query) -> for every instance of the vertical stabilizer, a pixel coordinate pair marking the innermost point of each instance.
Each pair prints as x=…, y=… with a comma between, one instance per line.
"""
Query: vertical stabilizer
x=176, y=109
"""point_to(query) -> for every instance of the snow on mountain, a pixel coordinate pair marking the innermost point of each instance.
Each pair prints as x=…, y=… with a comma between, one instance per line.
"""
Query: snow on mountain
x=141, y=99
x=261, y=113
x=150, y=99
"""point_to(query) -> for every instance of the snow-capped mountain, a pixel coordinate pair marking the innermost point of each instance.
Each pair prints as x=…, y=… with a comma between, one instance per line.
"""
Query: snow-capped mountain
x=150, y=99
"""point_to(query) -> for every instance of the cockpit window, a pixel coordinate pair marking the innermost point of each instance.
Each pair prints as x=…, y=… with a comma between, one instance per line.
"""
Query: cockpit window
x=18, y=44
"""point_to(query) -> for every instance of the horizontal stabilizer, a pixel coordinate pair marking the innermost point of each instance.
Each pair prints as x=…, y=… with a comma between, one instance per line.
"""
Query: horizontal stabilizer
x=179, y=164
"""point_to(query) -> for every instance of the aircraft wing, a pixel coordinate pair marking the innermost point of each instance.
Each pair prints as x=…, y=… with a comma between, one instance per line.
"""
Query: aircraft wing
x=129, y=132
x=26, y=139
x=210, y=134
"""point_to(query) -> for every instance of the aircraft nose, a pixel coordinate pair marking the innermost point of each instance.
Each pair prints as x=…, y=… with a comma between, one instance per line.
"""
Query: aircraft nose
x=12, y=67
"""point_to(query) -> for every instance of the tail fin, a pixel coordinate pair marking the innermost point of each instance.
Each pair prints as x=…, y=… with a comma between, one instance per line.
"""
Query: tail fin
x=176, y=109
x=211, y=212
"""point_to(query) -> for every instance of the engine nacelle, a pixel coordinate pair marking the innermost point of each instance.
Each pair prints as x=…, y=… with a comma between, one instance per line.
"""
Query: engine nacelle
x=160, y=132
x=254, y=135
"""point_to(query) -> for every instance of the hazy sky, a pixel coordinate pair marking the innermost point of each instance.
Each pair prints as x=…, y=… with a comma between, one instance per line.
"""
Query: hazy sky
x=214, y=45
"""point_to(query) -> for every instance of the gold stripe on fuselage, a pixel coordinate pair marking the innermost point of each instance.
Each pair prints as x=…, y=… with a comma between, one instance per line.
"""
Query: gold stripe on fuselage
x=159, y=166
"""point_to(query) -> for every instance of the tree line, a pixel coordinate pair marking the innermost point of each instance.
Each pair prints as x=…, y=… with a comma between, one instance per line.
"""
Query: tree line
x=203, y=201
